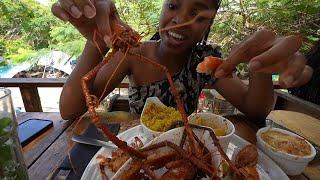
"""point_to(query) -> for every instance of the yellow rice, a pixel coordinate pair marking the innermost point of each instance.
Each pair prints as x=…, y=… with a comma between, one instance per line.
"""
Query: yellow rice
x=159, y=118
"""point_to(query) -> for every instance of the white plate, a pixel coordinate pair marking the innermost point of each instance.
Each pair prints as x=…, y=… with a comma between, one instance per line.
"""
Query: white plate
x=266, y=167
x=265, y=164
x=92, y=170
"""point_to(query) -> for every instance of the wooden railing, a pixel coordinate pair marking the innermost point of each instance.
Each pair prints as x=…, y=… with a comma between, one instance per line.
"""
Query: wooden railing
x=29, y=89
x=31, y=99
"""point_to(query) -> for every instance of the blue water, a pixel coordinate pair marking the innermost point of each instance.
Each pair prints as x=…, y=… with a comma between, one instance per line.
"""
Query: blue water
x=5, y=69
x=10, y=70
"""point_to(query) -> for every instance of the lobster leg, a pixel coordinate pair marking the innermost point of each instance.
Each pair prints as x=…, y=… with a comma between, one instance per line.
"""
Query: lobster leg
x=210, y=170
x=178, y=101
x=92, y=102
x=113, y=73
x=217, y=144
x=149, y=172
x=197, y=162
x=132, y=172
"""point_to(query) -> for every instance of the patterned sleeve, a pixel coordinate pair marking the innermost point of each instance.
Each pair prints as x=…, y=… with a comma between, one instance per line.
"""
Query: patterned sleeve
x=209, y=50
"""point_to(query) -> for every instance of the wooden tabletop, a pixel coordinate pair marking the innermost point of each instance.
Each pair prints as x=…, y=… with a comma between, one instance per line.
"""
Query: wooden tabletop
x=44, y=154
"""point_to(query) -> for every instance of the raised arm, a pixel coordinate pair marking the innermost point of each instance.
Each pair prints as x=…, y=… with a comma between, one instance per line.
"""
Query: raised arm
x=255, y=101
x=266, y=55
x=72, y=102
x=88, y=17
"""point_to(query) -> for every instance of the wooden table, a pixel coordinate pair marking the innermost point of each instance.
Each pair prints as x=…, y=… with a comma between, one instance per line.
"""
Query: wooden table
x=44, y=154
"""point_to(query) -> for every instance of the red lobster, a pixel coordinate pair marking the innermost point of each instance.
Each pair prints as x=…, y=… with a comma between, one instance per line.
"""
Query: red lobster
x=122, y=40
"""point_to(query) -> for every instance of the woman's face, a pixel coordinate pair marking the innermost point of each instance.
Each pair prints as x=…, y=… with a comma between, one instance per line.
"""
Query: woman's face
x=175, y=12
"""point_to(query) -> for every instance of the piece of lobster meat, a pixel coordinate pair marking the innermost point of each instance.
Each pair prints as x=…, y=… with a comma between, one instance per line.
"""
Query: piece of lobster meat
x=247, y=157
x=156, y=161
x=247, y=173
x=209, y=65
x=246, y=161
x=133, y=172
x=181, y=169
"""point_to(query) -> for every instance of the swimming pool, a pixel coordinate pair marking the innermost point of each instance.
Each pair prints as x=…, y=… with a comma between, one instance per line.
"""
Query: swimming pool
x=8, y=71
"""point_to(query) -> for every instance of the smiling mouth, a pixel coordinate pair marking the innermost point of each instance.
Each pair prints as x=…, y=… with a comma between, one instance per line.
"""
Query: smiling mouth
x=177, y=36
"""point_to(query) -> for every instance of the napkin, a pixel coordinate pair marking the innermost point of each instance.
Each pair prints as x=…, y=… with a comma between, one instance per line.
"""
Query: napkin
x=81, y=154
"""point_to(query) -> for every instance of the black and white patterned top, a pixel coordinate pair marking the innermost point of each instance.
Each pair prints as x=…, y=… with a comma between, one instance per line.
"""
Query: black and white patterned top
x=189, y=83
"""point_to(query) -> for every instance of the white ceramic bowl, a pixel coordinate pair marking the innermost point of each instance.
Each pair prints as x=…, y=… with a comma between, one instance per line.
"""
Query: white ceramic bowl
x=291, y=164
x=220, y=120
x=156, y=101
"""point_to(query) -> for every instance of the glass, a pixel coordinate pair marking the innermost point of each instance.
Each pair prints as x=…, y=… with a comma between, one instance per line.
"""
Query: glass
x=12, y=164
x=220, y=105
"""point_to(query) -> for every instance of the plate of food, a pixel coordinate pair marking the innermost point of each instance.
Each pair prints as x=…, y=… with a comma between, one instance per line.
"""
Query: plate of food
x=222, y=127
x=157, y=118
x=166, y=158
x=196, y=148
x=264, y=167
x=110, y=159
x=290, y=151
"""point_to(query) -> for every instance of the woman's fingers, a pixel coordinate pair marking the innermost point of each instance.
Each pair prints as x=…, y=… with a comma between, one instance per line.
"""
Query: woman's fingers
x=301, y=79
x=77, y=8
x=259, y=42
x=294, y=69
x=59, y=12
x=71, y=8
x=87, y=8
x=107, y=16
x=103, y=19
x=281, y=51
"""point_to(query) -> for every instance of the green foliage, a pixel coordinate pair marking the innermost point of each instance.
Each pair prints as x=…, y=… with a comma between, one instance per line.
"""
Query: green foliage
x=27, y=19
x=17, y=50
x=29, y=30
x=141, y=15
x=238, y=19
x=27, y=27
x=66, y=38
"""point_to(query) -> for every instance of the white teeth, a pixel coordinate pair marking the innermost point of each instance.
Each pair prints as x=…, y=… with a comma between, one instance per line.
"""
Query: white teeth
x=175, y=35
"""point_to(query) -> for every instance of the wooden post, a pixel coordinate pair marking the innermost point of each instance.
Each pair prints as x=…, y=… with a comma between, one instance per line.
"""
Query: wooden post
x=31, y=99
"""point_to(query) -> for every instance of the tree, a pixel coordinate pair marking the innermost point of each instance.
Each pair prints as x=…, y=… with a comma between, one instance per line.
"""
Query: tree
x=27, y=27
x=240, y=18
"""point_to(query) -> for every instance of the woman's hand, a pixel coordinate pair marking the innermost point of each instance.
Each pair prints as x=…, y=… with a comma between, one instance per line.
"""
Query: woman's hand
x=88, y=16
x=267, y=54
